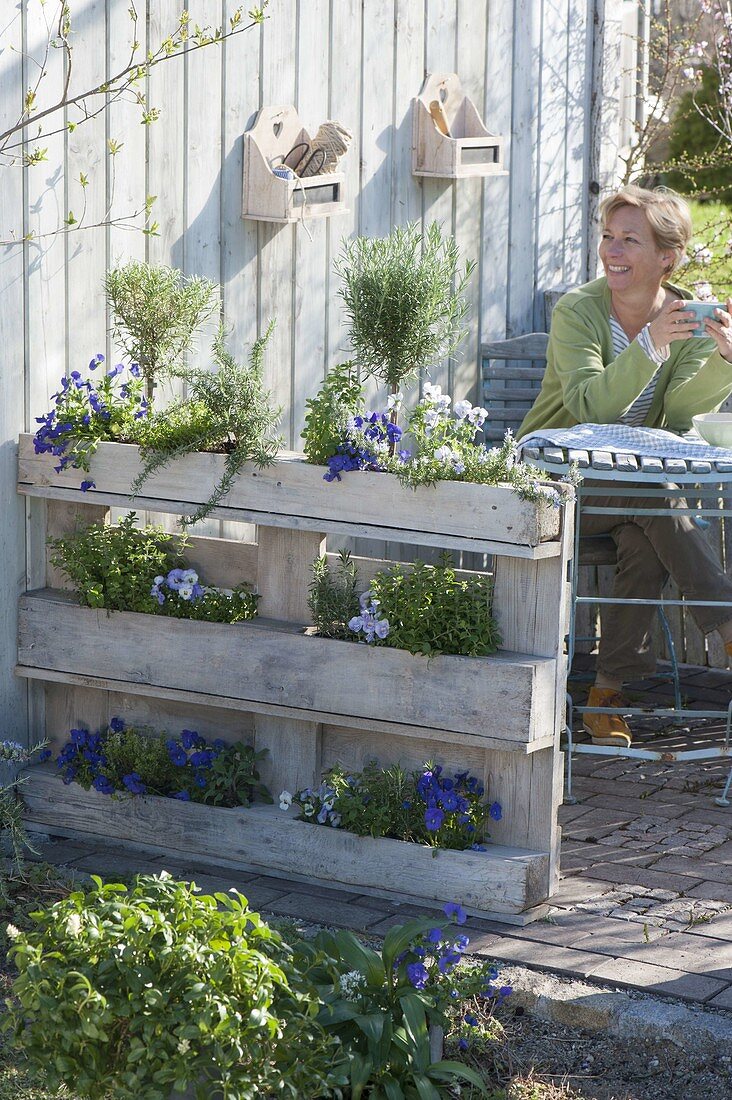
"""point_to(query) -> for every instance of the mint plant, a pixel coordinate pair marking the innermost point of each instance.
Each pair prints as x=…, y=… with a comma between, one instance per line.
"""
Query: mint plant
x=128, y=568
x=134, y=992
x=327, y=414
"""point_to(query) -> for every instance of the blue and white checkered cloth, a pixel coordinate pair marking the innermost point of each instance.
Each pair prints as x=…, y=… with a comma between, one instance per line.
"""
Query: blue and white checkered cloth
x=625, y=439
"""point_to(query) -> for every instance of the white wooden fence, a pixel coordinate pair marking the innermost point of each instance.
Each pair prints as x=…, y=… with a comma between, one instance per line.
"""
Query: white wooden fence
x=528, y=66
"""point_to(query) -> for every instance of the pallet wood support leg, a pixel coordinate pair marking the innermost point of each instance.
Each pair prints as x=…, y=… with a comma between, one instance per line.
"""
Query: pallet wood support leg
x=284, y=571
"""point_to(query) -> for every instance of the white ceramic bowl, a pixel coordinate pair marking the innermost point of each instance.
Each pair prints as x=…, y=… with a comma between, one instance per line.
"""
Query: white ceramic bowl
x=716, y=428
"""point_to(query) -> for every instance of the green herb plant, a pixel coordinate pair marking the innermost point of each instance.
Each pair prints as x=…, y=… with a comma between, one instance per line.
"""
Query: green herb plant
x=233, y=778
x=227, y=410
x=156, y=311
x=403, y=297
x=432, y=610
x=333, y=598
x=133, y=992
x=327, y=413
x=115, y=566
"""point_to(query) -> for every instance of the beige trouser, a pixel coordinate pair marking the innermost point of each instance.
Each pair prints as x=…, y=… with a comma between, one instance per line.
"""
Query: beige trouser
x=650, y=550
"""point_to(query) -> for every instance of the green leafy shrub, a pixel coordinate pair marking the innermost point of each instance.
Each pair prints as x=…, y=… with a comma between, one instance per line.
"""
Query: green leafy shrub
x=430, y=610
x=333, y=599
x=403, y=300
x=127, y=568
x=134, y=992
x=156, y=311
x=227, y=410
x=699, y=158
x=327, y=413
x=421, y=807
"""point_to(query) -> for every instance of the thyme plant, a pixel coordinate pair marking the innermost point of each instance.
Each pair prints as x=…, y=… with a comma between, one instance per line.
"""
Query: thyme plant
x=227, y=410
x=156, y=311
x=403, y=299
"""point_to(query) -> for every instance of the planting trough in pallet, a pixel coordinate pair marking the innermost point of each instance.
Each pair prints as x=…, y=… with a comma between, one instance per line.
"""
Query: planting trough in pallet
x=313, y=701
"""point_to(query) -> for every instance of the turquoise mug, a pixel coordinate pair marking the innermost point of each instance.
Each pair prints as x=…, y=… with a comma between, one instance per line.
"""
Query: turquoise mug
x=700, y=311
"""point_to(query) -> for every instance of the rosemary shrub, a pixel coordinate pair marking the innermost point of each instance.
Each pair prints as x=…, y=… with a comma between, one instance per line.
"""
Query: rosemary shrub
x=227, y=410
x=156, y=311
x=403, y=296
x=333, y=599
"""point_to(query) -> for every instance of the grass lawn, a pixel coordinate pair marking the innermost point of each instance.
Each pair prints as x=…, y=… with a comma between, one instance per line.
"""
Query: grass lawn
x=712, y=229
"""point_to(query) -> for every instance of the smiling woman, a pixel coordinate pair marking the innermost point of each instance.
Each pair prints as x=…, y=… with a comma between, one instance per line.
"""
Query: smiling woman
x=621, y=351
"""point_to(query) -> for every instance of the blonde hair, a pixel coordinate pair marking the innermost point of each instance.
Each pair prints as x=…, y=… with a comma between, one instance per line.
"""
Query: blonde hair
x=668, y=217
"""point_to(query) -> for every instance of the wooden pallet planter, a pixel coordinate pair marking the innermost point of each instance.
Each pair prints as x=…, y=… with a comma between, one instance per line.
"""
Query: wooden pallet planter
x=312, y=701
x=270, y=198
x=468, y=149
x=265, y=838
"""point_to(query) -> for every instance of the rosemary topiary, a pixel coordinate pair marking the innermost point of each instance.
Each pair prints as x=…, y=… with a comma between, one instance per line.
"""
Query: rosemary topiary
x=403, y=298
x=155, y=313
x=228, y=410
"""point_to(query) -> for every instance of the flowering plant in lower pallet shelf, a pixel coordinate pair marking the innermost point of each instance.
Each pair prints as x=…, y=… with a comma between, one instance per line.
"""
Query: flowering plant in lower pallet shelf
x=129, y=760
x=424, y=807
x=88, y=412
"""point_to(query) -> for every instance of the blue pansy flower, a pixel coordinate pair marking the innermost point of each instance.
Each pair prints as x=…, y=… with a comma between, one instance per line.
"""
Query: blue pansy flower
x=433, y=818
x=495, y=811
x=182, y=796
x=454, y=911
x=418, y=975
x=117, y=725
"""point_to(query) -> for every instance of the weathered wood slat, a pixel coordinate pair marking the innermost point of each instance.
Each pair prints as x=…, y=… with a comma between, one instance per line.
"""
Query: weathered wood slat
x=495, y=370
x=602, y=460
x=293, y=488
x=582, y=458
x=502, y=879
x=651, y=465
x=173, y=699
x=626, y=463
x=271, y=663
x=531, y=346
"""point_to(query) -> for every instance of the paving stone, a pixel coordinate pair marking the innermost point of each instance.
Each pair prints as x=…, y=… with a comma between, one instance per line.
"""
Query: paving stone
x=723, y=999
x=659, y=979
x=640, y=876
x=111, y=864
x=721, y=854
x=324, y=911
x=696, y=868
x=570, y=813
x=630, y=806
x=600, y=853
x=717, y=926
x=547, y=956
x=680, y=951
x=571, y=891
x=714, y=891
x=597, y=785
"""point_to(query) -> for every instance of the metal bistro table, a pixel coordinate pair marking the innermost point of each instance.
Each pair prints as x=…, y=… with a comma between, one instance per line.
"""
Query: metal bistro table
x=664, y=479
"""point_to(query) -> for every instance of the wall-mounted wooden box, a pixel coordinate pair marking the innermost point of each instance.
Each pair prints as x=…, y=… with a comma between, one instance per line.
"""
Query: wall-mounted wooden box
x=271, y=198
x=467, y=148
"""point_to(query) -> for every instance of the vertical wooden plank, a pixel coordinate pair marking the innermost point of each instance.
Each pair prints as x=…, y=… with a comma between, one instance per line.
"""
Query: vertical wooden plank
x=277, y=242
x=45, y=257
x=345, y=99
x=13, y=694
x=551, y=151
x=70, y=708
x=495, y=209
x=86, y=250
x=437, y=194
x=409, y=67
x=472, y=34
x=311, y=251
x=283, y=575
x=522, y=222
x=239, y=258
x=125, y=169
x=202, y=176
x=578, y=98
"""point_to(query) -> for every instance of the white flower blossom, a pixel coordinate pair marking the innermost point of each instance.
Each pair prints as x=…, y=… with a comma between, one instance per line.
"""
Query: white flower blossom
x=184, y=1046
x=461, y=409
x=443, y=454
x=12, y=932
x=190, y=577
x=73, y=925
x=352, y=984
x=701, y=254
x=394, y=401
x=285, y=800
x=704, y=291
x=430, y=392
x=185, y=591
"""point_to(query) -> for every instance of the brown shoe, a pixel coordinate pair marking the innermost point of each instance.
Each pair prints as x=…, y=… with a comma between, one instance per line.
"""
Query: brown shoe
x=607, y=729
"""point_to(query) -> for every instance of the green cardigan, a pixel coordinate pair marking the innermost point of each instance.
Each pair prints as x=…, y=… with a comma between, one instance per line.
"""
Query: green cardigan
x=585, y=383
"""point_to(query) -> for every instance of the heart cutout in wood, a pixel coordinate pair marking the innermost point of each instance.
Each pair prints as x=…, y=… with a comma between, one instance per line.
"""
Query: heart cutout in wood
x=277, y=127
x=443, y=94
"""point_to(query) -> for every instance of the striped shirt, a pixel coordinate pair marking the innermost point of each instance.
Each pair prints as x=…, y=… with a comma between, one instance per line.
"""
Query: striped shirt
x=638, y=411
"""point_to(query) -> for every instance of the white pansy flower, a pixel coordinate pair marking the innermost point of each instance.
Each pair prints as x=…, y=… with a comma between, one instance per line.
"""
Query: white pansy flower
x=285, y=800
x=185, y=591
x=395, y=401
x=443, y=454
x=190, y=577
x=430, y=392
x=461, y=409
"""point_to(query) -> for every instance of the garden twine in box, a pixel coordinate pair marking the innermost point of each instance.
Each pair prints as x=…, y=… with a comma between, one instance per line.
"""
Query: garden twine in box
x=334, y=140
